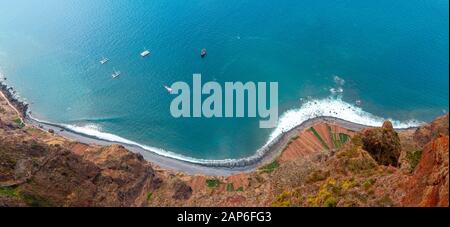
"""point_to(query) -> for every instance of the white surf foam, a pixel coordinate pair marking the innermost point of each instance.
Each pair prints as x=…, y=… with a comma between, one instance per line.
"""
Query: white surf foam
x=330, y=107
x=333, y=107
x=95, y=131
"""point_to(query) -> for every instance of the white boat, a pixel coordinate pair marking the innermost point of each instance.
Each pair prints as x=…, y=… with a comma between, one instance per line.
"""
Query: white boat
x=169, y=89
x=104, y=61
x=145, y=53
x=115, y=74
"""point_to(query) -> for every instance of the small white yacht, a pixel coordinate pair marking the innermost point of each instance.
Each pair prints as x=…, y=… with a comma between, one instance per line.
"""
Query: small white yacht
x=115, y=74
x=145, y=53
x=169, y=89
x=104, y=61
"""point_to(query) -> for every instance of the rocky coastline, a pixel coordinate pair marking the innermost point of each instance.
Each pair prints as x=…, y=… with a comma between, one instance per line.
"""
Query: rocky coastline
x=262, y=156
x=20, y=105
x=328, y=162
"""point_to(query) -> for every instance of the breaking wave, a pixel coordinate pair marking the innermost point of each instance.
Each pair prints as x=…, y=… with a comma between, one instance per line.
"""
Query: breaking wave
x=336, y=108
x=329, y=107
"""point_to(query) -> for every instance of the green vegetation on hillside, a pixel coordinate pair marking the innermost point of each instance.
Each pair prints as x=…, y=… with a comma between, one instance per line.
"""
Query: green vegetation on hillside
x=339, y=139
x=344, y=137
x=149, y=196
x=282, y=200
x=213, y=183
x=269, y=168
x=28, y=198
x=324, y=144
x=230, y=187
x=8, y=191
x=414, y=159
x=19, y=122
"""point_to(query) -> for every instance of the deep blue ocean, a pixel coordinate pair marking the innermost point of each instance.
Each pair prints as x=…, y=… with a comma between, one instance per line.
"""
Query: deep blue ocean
x=393, y=56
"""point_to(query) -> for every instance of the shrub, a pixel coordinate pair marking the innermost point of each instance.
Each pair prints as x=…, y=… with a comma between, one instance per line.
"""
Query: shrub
x=368, y=183
x=326, y=196
x=347, y=184
x=414, y=159
x=282, y=200
x=330, y=202
x=8, y=191
x=230, y=187
x=19, y=122
x=269, y=168
x=29, y=198
x=213, y=183
x=149, y=196
x=34, y=200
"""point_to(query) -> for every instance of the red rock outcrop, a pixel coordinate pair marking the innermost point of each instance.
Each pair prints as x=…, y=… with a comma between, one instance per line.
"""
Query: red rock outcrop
x=424, y=134
x=429, y=184
x=326, y=165
x=37, y=174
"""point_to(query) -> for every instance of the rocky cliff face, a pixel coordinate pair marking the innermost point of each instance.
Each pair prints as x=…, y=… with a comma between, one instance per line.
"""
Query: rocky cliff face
x=9, y=93
x=428, y=186
x=326, y=165
x=378, y=167
x=37, y=174
x=383, y=144
x=427, y=132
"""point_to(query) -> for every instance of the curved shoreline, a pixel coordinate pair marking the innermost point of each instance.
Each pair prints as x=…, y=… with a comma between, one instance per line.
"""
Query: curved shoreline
x=263, y=155
x=213, y=167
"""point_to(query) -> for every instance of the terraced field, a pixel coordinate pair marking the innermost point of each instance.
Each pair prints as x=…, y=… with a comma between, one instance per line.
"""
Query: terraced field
x=322, y=137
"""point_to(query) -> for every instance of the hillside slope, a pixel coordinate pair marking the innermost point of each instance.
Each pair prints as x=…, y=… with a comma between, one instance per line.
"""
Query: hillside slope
x=325, y=165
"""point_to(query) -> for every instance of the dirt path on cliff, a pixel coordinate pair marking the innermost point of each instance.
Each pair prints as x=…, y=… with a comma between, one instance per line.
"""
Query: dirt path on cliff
x=19, y=115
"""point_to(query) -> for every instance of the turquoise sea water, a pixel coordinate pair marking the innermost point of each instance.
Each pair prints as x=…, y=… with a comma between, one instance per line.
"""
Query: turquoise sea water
x=391, y=55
